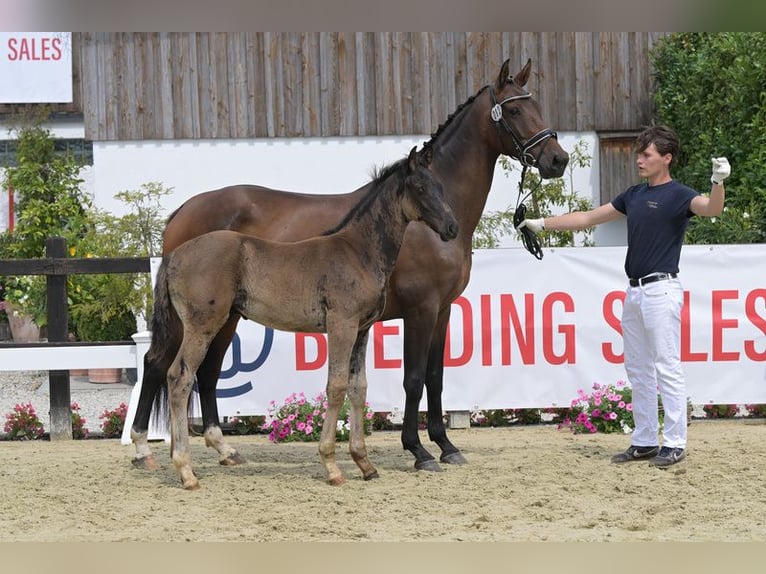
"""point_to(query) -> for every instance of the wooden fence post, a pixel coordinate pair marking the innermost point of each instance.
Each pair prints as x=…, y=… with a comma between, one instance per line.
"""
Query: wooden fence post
x=58, y=325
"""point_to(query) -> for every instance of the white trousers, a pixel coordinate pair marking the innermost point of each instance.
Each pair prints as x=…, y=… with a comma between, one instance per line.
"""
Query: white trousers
x=651, y=330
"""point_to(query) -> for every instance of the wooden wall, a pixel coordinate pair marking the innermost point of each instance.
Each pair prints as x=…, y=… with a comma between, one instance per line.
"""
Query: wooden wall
x=133, y=86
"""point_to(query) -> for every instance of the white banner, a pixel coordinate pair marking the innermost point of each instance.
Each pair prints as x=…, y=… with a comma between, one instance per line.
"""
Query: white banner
x=528, y=333
x=35, y=67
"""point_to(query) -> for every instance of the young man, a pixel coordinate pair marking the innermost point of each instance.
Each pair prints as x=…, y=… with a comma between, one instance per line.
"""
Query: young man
x=658, y=213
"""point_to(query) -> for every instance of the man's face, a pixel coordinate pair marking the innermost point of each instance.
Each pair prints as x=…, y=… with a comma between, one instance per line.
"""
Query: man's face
x=651, y=163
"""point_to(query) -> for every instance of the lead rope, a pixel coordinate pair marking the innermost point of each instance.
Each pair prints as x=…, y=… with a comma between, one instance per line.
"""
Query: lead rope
x=528, y=237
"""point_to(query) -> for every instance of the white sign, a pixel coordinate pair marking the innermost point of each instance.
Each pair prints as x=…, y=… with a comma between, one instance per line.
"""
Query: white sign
x=35, y=67
x=528, y=333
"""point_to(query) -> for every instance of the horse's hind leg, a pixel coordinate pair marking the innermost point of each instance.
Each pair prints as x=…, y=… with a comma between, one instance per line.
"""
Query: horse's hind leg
x=207, y=380
x=180, y=383
x=357, y=394
x=154, y=376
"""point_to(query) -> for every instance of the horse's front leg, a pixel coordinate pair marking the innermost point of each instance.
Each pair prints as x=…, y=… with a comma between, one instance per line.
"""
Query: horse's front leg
x=437, y=431
x=418, y=329
x=207, y=380
x=340, y=342
x=357, y=394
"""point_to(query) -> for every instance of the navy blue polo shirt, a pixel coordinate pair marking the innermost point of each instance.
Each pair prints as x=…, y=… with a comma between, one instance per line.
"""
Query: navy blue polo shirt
x=657, y=220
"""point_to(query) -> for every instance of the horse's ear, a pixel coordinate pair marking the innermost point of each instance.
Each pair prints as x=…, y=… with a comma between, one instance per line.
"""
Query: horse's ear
x=504, y=75
x=412, y=160
x=522, y=77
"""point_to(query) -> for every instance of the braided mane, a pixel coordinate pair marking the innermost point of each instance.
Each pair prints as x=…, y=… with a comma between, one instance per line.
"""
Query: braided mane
x=452, y=116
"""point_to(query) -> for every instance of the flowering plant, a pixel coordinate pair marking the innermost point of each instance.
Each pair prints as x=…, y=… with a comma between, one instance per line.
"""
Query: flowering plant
x=299, y=419
x=114, y=421
x=756, y=410
x=720, y=411
x=246, y=424
x=78, y=423
x=607, y=409
x=22, y=423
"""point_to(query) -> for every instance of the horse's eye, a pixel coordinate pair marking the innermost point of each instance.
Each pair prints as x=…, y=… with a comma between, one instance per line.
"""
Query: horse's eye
x=514, y=111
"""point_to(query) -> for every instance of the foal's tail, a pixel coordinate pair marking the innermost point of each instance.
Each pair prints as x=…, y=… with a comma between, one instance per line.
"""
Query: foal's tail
x=167, y=332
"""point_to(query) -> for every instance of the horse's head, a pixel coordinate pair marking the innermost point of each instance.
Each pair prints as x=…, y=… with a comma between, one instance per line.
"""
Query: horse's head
x=423, y=198
x=523, y=133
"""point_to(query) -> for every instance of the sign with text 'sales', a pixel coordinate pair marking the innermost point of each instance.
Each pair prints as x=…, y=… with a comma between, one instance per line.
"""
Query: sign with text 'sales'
x=35, y=67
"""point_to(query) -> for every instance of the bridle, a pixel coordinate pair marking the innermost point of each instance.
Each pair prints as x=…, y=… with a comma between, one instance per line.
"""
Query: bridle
x=528, y=237
x=522, y=148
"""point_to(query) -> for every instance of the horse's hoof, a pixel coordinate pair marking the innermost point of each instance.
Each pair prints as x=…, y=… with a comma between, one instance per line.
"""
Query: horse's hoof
x=430, y=465
x=373, y=474
x=337, y=481
x=191, y=485
x=233, y=460
x=453, y=458
x=146, y=463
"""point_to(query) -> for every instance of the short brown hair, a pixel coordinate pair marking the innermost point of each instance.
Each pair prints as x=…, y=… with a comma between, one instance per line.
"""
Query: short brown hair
x=663, y=138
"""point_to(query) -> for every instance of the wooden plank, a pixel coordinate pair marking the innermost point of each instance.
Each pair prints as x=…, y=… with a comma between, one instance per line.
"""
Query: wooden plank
x=256, y=110
x=92, y=105
x=268, y=81
x=238, y=103
x=81, y=266
x=329, y=65
x=365, y=84
x=383, y=83
x=165, y=81
x=346, y=90
x=584, y=81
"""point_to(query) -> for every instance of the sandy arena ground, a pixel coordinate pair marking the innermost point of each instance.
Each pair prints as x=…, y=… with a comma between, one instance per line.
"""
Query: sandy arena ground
x=526, y=483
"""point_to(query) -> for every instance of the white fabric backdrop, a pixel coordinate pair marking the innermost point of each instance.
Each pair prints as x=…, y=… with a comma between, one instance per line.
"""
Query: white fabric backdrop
x=529, y=333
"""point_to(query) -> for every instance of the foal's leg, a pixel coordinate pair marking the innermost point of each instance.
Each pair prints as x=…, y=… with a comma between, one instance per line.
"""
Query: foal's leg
x=437, y=432
x=207, y=379
x=340, y=342
x=357, y=394
x=180, y=383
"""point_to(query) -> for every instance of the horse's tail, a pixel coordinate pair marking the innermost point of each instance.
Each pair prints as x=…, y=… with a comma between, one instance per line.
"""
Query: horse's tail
x=167, y=332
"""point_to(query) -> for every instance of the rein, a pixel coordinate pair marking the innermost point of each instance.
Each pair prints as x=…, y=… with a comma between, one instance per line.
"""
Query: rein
x=528, y=237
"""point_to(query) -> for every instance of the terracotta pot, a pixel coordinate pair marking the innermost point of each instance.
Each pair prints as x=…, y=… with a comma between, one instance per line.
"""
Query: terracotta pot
x=78, y=372
x=104, y=375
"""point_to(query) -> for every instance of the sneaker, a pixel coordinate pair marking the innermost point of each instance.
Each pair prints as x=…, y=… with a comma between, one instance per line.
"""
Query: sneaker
x=668, y=456
x=636, y=453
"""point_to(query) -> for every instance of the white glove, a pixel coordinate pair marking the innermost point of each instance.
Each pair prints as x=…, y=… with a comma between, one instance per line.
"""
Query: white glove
x=535, y=225
x=721, y=170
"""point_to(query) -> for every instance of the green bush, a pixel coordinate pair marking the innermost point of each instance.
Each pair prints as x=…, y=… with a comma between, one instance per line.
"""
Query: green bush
x=711, y=88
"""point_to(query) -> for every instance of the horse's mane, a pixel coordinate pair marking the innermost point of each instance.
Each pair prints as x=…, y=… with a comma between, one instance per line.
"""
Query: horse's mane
x=379, y=176
x=429, y=144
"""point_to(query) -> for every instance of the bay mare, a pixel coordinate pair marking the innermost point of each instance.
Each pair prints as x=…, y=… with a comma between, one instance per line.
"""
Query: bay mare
x=334, y=284
x=501, y=118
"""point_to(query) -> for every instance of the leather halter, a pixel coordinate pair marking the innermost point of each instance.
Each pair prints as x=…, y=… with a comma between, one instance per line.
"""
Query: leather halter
x=523, y=153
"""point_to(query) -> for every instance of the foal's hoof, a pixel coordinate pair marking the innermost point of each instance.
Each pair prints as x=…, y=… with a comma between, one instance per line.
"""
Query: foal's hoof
x=191, y=485
x=233, y=460
x=146, y=463
x=373, y=474
x=430, y=465
x=453, y=458
x=337, y=481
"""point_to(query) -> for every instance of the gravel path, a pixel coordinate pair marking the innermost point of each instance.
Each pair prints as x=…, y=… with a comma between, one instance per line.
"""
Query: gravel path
x=32, y=387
